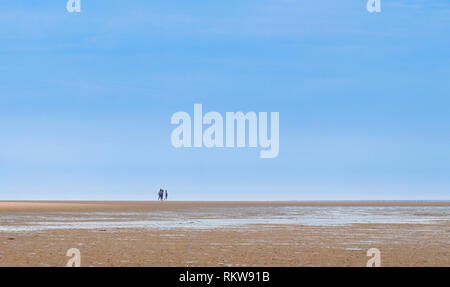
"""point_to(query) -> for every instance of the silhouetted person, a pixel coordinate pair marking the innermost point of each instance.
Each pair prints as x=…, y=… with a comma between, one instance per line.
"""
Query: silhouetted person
x=166, y=194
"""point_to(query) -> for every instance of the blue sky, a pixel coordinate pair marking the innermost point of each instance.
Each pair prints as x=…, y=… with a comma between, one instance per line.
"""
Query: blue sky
x=86, y=99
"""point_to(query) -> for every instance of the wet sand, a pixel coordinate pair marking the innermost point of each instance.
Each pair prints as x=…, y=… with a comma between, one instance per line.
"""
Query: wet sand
x=290, y=234
x=25, y=206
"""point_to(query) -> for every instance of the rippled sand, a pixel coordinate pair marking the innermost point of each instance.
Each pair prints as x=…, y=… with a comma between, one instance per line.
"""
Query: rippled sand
x=224, y=233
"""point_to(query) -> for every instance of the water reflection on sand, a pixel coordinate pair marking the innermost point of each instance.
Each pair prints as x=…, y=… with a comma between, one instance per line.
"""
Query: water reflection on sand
x=208, y=218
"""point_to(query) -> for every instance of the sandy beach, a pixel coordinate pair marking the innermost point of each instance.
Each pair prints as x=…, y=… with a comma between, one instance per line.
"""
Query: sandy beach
x=321, y=233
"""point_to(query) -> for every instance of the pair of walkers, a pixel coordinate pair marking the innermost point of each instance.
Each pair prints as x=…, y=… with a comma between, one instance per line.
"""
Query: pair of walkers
x=162, y=194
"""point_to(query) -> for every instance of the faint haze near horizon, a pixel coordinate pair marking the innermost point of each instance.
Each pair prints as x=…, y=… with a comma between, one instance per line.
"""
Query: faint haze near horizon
x=86, y=99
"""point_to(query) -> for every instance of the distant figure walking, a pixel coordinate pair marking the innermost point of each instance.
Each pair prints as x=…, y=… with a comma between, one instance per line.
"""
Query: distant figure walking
x=160, y=194
x=166, y=194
